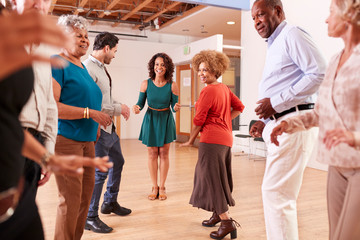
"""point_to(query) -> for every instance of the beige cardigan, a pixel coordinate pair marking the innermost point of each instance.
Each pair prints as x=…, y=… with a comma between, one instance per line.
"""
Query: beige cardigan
x=338, y=106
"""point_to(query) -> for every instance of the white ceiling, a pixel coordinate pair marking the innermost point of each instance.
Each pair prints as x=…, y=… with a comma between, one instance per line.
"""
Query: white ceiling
x=213, y=20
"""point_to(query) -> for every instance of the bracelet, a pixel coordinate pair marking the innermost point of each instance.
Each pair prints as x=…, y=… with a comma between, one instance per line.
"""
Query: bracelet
x=45, y=159
x=86, y=113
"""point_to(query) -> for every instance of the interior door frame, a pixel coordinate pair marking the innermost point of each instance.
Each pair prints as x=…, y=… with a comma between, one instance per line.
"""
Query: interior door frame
x=179, y=68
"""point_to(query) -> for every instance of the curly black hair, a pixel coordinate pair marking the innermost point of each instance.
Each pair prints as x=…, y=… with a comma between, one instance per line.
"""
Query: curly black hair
x=169, y=65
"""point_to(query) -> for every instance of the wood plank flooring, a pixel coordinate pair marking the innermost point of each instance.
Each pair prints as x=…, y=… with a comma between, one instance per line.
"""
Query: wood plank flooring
x=175, y=218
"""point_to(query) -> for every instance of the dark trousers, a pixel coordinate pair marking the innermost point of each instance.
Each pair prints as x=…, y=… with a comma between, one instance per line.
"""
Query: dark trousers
x=107, y=145
x=32, y=170
x=26, y=223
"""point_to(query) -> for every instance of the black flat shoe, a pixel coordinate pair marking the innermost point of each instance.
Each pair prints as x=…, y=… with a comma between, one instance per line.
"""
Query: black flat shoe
x=114, y=207
x=96, y=225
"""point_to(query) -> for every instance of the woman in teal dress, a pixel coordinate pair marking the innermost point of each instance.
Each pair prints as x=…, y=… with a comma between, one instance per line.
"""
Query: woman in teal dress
x=158, y=127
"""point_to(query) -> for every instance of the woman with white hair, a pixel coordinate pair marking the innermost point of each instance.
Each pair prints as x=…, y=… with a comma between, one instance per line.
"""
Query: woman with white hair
x=337, y=113
x=79, y=104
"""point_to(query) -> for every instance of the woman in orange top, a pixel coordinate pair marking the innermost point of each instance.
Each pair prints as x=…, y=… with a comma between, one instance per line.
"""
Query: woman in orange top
x=215, y=109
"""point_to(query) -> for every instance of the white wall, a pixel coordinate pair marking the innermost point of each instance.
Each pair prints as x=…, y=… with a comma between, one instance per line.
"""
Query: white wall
x=150, y=36
x=307, y=14
x=128, y=70
x=177, y=54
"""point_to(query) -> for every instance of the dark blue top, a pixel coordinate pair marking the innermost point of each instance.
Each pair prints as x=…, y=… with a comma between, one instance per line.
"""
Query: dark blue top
x=78, y=89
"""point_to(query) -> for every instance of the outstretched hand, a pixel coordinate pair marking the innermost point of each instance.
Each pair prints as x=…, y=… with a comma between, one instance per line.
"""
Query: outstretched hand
x=136, y=109
x=277, y=131
x=28, y=28
x=125, y=111
x=336, y=136
x=73, y=165
x=186, y=144
x=177, y=107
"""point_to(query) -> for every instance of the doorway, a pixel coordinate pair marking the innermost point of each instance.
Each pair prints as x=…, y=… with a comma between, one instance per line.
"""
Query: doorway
x=189, y=91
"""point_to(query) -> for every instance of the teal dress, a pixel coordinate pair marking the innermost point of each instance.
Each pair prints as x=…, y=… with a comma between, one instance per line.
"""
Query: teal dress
x=158, y=127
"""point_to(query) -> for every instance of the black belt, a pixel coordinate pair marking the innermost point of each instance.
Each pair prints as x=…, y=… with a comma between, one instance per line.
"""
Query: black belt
x=32, y=131
x=293, y=109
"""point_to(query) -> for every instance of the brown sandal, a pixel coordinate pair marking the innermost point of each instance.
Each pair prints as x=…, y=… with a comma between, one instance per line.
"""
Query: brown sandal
x=162, y=194
x=154, y=193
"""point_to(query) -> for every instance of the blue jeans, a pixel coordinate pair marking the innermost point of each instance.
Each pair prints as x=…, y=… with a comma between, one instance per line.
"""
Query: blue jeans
x=107, y=145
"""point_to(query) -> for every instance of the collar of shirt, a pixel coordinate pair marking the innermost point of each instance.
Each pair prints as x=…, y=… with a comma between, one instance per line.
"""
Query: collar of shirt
x=276, y=33
x=100, y=64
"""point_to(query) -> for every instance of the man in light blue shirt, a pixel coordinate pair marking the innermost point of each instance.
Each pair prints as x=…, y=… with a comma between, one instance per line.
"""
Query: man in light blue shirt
x=293, y=72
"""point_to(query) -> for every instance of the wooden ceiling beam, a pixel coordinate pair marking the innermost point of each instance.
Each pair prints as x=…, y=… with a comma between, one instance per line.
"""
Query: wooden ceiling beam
x=82, y=4
x=169, y=7
x=135, y=10
x=185, y=14
x=109, y=7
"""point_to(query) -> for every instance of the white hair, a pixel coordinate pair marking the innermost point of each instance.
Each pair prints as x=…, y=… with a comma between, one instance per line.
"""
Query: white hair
x=73, y=21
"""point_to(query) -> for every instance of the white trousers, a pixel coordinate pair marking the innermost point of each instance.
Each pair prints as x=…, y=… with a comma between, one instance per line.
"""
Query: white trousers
x=283, y=177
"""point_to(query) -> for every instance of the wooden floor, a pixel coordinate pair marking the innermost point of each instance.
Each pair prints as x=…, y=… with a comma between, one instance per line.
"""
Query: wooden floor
x=175, y=218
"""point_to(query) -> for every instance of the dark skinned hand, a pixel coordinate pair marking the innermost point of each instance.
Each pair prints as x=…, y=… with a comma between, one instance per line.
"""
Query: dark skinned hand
x=257, y=129
x=264, y=110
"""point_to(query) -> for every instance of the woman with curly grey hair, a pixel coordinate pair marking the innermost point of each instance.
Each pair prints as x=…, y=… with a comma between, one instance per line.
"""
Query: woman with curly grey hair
x=79, y=106
x=215, y=109
x=337, y=113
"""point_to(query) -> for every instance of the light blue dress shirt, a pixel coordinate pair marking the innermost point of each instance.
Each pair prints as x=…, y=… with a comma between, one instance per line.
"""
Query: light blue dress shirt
x=294, y=68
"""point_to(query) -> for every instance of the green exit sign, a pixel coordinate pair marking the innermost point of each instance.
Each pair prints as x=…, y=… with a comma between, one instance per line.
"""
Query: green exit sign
x=186, y=50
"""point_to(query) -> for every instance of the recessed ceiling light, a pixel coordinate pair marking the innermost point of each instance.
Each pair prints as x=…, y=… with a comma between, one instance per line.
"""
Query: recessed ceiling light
x=230, y=22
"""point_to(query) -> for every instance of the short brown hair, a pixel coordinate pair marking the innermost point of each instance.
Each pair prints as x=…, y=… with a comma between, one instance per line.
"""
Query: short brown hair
x=169, y=65
x=217, y=62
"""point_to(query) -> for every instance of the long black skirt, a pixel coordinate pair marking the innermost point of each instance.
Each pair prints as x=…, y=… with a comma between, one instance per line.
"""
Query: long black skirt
x=213, y=183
